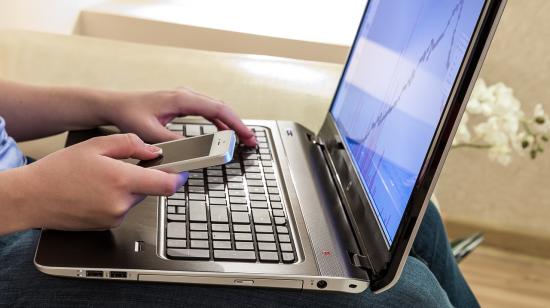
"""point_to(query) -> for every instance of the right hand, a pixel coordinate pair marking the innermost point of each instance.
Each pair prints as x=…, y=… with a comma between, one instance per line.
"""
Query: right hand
x=87, y=187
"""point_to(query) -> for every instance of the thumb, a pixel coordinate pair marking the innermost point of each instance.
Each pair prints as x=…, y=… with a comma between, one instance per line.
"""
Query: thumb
x=121, y=146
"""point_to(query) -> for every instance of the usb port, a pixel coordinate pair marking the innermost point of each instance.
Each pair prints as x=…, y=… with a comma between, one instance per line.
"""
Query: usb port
x=118, y=274
x=94, y=274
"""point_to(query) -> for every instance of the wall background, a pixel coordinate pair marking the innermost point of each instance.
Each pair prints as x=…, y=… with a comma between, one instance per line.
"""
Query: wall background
x=514, y=198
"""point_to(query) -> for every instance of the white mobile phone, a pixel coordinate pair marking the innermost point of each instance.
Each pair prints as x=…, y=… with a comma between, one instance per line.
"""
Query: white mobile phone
x=194, y=153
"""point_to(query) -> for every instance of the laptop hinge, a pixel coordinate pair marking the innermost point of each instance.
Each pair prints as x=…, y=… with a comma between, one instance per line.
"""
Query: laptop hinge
x=363, y=262
x=316, y=140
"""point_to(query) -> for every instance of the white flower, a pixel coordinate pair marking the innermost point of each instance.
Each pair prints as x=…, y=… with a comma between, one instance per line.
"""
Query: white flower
x=501, y=154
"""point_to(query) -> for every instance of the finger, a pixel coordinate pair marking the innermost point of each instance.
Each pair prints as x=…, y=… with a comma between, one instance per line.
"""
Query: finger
x=151, y=182
x=219, y=124
x=211, y=109
x=124, y=146
x=157, y=132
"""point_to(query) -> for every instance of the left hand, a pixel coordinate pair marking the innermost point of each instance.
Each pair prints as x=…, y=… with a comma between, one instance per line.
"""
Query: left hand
x=147, y=113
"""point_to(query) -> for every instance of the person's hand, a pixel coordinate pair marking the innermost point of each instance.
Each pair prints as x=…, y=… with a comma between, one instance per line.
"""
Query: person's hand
x=87, y=187
x=147, y=113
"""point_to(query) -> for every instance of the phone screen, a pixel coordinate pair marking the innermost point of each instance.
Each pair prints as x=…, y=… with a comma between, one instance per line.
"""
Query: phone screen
x=180, y=150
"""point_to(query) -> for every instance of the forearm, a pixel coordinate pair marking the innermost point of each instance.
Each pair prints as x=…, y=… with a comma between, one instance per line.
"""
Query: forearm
x=16, y=216
x=33, y=112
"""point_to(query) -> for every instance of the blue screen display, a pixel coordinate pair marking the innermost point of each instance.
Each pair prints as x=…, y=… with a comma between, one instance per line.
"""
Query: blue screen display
x=392, y=95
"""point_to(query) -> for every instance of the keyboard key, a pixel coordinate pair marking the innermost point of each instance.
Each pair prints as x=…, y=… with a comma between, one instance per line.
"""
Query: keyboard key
x=261, y=216
x=217, y=194
x=176, y=230
x=181, y=210
x=280, y=220
x=188, y=253
x=221, y=244
x=192, y=130
x=199, y=244
x=209, y=129
x=255, y=183
x=219, y=201
x=257, y=197
x=235, y=178
x=269, y=256
x=239, y=200
x=196, y=175
x=171, y=210
x=265, y=157
x=267, y=246
x=201, y=197
x=216, y=186
x=288, y=257
x=174, y=127
x=284, y=238
x=233, y=166
x=263, y=145
x=253, y=176
x=273, y=190
x=176, y=217
x=269, y=176
x=237, y=193
x=268, y=170
x=258, y=204
x=266, y=163
x=221, y=236
x=178, y=195
x=256, y=189
x=261, y=139
x=197, y=211
x=264, y=237
x=251, y=163
x=220, y=227
x=263, y=229
x=195, y=182
x=264, y=151
x=198, y=235
x=218, y=213
x=233, y=172
x=252, y=169
x=240, y=217
x=239, y=208
x=196, y=189
x=244, y=237
x=235, y=185
x=244, y=245
x=277, y=205
x=215, y=180
x=249, y=156
x=282, y=230
x=214, y=173
x=241, y=228
x=278, y=213
x=286, y=247
x=176, y=202
x=271, y=183
x=198, y=226
x=176, y=243
x=236, y=255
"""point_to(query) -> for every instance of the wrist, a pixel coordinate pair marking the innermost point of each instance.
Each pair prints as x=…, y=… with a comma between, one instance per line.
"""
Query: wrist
x=18, y=214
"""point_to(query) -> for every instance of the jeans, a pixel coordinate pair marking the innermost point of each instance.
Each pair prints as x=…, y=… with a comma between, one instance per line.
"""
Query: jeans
x=430, y=278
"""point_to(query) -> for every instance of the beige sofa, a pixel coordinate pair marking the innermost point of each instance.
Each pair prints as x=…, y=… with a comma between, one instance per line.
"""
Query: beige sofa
x=256, y=86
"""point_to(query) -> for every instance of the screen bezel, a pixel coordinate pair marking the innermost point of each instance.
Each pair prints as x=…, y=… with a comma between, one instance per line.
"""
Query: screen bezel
x=387, y=260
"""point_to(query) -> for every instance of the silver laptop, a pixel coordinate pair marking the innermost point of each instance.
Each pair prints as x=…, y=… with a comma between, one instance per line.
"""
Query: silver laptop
x=336, y=210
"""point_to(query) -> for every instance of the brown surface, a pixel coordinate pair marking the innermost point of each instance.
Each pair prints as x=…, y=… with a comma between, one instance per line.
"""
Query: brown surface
x=504, y=279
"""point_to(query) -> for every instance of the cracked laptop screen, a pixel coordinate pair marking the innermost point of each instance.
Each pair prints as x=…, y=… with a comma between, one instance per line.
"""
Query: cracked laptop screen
x=398, y=79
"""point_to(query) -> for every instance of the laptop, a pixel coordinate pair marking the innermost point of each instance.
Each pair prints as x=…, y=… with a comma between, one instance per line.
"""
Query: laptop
x=334, y=210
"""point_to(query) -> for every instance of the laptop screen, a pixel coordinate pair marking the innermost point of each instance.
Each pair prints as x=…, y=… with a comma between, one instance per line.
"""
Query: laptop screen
x=398, y=79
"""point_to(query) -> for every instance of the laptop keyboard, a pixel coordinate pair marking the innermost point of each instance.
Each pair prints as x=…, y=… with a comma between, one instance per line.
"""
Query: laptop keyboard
x=233, y=212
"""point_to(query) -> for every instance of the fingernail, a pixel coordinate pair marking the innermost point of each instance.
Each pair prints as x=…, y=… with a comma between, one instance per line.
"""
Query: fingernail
x=154, y=149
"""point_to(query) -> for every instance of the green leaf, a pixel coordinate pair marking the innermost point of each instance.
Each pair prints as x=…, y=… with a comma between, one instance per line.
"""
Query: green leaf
x=540, y=120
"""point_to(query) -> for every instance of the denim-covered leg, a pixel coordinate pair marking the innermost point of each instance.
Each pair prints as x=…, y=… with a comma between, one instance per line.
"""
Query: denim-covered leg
x=22, y=285
x=432, y=247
